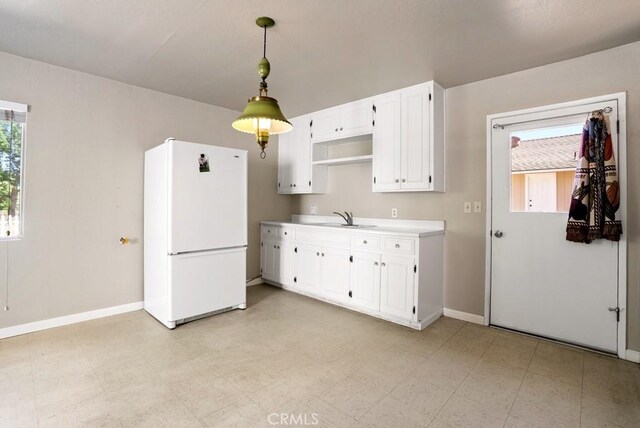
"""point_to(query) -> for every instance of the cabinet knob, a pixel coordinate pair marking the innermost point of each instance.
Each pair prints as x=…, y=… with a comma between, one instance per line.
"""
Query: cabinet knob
x=383, y=264
x=341, y=128
x=364, y=242
x=397, y=180
x=404, y=179
x=278, y=247
x=274, y=246
x=397, y=245
x=294, y=185
x=317, y=254
x=286, y=233
x=375, y=263
x=336, y=129
x=322, y=254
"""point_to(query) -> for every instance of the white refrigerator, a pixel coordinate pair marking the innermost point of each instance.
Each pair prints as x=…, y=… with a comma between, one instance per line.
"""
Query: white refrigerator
x=195, y=231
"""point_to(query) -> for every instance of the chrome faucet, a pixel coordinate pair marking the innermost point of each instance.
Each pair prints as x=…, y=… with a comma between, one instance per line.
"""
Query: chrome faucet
x=348, y=217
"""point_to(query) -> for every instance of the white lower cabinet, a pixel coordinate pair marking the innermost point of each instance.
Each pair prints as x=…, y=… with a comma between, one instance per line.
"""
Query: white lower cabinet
x=334, y=282
x=397, y=279
x=364, y=286
x=270, y=260
x=308, y=267
x=286, y=254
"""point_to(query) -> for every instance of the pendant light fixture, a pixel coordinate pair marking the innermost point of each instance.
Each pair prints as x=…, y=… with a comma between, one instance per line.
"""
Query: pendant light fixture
x=262, y=116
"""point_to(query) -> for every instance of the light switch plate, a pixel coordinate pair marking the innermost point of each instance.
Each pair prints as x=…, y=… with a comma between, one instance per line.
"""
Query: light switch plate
x=467, y=207
x=477, y=207
x=394, y=212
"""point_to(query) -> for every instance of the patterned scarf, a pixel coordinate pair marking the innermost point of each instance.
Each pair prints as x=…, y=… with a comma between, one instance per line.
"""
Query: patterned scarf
x=596, y=192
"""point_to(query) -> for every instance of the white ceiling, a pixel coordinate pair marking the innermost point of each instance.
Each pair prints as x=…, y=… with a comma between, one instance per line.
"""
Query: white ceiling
x=322, y=52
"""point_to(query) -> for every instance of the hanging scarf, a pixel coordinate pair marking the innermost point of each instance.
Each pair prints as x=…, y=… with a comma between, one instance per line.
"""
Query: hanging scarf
x=596, y=192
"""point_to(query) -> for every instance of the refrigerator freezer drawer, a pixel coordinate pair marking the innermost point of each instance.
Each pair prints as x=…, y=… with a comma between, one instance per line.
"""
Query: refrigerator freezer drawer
x=206, y=281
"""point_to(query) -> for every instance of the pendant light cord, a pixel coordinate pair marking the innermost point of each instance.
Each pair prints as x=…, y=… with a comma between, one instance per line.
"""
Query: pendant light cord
x=264, y=43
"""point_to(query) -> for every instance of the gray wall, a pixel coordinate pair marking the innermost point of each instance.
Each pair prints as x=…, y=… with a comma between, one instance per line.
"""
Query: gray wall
x=86, y=138
x=614, y=70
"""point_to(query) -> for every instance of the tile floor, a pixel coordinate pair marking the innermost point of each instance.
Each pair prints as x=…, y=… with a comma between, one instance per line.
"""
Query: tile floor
x=291, y=355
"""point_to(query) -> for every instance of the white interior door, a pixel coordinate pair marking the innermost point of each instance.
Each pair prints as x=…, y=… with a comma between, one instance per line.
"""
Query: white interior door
x=541, y=283
x=540, y=195
x=207, y=206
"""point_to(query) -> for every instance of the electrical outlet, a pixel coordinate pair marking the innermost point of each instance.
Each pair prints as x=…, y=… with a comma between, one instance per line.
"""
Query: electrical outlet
x=477, y=207
x=313, y=209
x=394, y=212
x=467, y=207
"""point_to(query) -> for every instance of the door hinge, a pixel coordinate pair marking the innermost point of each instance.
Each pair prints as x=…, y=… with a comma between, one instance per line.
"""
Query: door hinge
x=278, y=184
x=374, y=108
x=373, y=123
x=260, y=271
x=415, y=268
x=617, y=311
x=311, y=124
x=618, y=126
x=295, y=250
x=429, y=96
x=351, y=259
x=295, y=279
x=414, y=309
x=309, y=183
x=429, y=179
x=350, y=293
x=374, y=180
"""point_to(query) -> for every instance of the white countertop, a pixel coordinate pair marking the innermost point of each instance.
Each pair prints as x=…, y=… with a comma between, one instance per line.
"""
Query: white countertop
x=414, y=228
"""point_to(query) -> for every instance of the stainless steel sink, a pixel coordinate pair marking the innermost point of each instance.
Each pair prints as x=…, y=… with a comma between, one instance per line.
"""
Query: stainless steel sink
x=350, y=226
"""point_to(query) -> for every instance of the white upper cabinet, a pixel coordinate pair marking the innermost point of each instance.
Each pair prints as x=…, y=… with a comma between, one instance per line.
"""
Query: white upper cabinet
x=412, y=159
x=387, y=139
x=406, y=128
x=344, y=121
x=294, y=159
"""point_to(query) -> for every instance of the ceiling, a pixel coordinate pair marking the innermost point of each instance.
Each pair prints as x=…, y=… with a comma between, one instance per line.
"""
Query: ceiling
x=322, y=52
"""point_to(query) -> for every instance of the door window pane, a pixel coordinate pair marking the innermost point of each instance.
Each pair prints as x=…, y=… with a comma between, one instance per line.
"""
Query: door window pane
x=543, y=163
x=12, y=130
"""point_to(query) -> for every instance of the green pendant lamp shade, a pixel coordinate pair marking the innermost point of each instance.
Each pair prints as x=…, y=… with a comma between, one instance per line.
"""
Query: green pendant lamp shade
x=262, y=115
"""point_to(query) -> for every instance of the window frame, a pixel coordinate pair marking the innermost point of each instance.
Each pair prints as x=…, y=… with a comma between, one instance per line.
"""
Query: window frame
x=22, y=108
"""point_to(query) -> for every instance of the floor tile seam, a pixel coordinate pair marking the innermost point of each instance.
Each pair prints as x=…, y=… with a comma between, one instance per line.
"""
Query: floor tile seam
x=522, y=380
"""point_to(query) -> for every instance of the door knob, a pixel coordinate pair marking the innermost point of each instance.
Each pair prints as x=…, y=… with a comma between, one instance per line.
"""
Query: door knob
x=498, y=234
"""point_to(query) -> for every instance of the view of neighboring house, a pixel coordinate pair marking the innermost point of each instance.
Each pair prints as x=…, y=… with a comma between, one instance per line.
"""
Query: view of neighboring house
x=542, y=172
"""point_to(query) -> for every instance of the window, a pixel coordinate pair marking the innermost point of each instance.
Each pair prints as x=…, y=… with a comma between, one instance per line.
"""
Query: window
x=13, y=119
x=543, y=164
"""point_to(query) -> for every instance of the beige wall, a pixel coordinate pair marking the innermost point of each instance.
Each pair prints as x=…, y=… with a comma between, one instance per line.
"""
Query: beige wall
x=86, y=137
x=614, y=70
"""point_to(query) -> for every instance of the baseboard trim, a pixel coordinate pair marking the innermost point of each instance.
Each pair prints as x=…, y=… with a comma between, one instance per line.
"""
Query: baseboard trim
x=631, y=355
x=255, y=281
x=464, y=316
x=31, y=327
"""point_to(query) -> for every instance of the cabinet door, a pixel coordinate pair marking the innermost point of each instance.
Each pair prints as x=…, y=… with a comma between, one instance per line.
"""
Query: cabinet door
x=271, y=260
x=326, y=125
x=302, y=140
x=416, y=138
x=387, y=142
x=334, y=283
x=396, y=286
x=356, y=118
x=308, y=267
x=365, y=281
x=286, y=255
x=285, y=163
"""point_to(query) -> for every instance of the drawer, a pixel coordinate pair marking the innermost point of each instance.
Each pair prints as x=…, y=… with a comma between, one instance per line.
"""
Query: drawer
x=287, y=233
x=316, y=236
x=398, y=245
x=365, y=242
x=270, y=231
